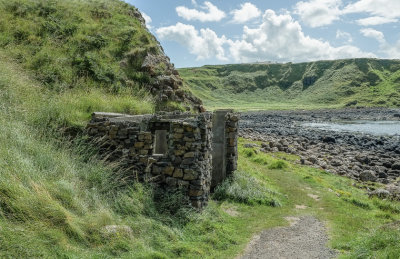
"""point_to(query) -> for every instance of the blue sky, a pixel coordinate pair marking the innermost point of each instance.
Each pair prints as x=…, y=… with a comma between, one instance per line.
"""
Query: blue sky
x=195, y=33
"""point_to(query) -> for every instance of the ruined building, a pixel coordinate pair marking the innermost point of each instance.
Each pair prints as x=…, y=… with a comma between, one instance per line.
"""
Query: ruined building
x=195, y=152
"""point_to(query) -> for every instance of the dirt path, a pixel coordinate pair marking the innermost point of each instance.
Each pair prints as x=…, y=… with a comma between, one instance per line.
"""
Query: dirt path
x=304, y=238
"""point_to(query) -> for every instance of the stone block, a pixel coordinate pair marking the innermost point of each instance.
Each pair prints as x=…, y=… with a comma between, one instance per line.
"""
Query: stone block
x=178, y=135
x=188, y=161
x=143, y=152
x=147, y=136
x=188, y=129
x=148, y=146
x=168, y=170
x=138, y=144
x=189, y=155
x=178, y=130
x=195, y=192
x=190, y=175
x=187, y=139
x=178, y=173
x=182, y=183
x=179, y=152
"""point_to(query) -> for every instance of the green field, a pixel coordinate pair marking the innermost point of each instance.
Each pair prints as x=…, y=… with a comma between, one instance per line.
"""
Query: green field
x=320, y=84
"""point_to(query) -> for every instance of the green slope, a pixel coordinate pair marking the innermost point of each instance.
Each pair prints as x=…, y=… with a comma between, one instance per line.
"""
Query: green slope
x=352, y=82
x=85, y=45
x=69, y=44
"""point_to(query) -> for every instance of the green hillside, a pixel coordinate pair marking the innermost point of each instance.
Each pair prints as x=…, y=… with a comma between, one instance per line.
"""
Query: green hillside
x=339, y=83
x=84, y=46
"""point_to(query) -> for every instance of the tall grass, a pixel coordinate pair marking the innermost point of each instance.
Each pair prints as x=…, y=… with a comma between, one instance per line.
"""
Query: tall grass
x=243, y=187
x=70, y=44
x=48, y=110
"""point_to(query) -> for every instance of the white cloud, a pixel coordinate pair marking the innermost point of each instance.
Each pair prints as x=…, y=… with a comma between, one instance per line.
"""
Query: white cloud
x=371, y=33
x=280, y=38
x=393, y=51
x=390, y=51
x=375, y=20
x=316, y=13
x=148, y=20
x=211, y=14
x=344, y=35
x=247, y=12
x=381, y=11
x=204, y=44
x=381, y=8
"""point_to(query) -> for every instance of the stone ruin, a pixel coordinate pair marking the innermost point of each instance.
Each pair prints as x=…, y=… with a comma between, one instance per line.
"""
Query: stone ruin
x=195, y=152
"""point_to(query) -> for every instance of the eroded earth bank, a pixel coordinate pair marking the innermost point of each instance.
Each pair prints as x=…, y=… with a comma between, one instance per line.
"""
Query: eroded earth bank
x=370, y=154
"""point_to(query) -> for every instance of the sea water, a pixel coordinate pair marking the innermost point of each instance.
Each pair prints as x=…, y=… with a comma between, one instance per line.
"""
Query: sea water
x=378, y=128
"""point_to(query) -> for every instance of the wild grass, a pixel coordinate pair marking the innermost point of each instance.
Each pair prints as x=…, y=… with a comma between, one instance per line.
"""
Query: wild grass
x=29, y=100
x=76, y=44
x=245, y=188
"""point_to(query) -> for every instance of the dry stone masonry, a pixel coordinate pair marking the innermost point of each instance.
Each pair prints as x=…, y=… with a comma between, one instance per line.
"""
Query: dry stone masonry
x=172, y=150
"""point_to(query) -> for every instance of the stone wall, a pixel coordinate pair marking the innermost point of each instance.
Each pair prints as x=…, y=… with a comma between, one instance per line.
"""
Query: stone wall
x=173, y=150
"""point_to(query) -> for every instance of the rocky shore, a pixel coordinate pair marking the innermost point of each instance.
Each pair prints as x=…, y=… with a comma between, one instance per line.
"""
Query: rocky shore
x=364, y=157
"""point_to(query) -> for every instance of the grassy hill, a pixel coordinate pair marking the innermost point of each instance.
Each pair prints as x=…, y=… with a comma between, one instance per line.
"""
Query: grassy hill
x=338, y=83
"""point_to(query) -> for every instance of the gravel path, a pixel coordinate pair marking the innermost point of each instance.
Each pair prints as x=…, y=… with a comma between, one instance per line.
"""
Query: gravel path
x=304, y=238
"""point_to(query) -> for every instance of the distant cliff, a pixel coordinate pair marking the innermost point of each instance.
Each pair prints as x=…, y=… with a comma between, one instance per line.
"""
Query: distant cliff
x=338, y=83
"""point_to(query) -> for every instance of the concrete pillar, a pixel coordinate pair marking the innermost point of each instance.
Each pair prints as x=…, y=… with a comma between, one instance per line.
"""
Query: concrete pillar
x=218, y=147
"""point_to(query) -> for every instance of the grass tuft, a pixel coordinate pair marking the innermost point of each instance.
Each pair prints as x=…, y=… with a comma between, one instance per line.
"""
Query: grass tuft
x=245, y=188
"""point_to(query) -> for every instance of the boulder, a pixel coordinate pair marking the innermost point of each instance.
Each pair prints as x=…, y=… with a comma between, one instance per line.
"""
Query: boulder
x=396, y=166
x=381, y=193
x=328, y=139
x=367, y=176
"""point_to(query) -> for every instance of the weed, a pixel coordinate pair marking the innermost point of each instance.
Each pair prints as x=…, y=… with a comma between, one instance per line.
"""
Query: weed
x=278, y=164
x=358, y=203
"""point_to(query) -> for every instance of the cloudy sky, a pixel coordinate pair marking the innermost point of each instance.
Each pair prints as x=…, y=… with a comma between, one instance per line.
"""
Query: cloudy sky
x=196, y=32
